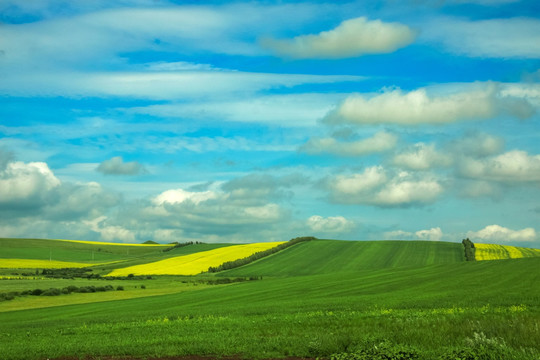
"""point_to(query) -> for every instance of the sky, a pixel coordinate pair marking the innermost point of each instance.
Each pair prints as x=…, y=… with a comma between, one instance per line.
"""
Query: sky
x=136, y=120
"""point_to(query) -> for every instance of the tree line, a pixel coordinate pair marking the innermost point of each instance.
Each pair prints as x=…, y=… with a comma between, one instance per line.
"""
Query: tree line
x=258, y=255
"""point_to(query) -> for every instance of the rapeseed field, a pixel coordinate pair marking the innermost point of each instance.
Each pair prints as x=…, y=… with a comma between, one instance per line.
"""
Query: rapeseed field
x=196, y=263
x=499, y=252
x=41, y=264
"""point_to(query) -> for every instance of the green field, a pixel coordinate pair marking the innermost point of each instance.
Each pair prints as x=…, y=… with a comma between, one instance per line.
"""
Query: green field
x=328, y=256
x=322, y=298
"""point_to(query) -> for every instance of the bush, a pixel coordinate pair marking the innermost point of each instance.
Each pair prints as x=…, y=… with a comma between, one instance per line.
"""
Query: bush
x=119, y=288
x=72, y=288
x=143, y=286
x=51, y=292
x=36, y=292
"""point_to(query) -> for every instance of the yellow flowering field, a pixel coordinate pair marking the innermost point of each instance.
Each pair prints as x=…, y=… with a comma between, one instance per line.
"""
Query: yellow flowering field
x=498, y=252
x=193, y=264
x=109, y=243
x=40, y=264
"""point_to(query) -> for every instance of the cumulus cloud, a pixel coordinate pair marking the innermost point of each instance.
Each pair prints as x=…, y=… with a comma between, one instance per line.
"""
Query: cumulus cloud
x=376, y=186
x=500, y=234
x=111, y=233
x=117, y=166
x=418, y=107
x=498, y=38
x=433, y=234
x=512, y=166
x=380, y=142
x=422, y=157
x=331, y=224
x=35, y=203
x=26, y=184
x=351, y=38
x=177, y=196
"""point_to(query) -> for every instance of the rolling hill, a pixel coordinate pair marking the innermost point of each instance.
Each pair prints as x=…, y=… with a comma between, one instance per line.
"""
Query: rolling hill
x=327, y=256
x=376, y=299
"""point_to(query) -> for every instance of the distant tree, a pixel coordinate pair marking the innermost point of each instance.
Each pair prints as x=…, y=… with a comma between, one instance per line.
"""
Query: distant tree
x=469, y=249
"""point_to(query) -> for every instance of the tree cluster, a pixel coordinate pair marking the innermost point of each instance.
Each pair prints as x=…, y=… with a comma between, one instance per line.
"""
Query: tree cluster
x=179, y=245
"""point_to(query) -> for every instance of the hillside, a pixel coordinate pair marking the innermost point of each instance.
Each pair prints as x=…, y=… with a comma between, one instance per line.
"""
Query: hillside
x=430, y=310
x=326, y=256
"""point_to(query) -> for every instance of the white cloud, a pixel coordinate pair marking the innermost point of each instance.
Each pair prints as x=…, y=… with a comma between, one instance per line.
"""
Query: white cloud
x=351, y=38
x=482, y=101
x=331, y=224
x=380, y=142
x=111, y=233
x=178, y=196
x=512, y=166
x=500, y=234
x=422, y=157
x=498, y=38
x=117, y=166
x=433, y=234
x=26, y=182
x=375, y=187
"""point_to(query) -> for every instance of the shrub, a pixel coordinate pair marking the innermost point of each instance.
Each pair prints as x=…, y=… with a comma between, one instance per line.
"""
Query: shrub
x=51, y=292
x=119, y=288
x=72, y=288
x=36, y=292
x=143, y=286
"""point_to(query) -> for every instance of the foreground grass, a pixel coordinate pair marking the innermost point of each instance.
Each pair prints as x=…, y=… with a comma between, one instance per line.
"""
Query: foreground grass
x=430, y=311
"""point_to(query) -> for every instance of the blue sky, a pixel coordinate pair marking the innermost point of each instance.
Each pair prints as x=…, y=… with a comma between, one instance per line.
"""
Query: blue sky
x=134, y=120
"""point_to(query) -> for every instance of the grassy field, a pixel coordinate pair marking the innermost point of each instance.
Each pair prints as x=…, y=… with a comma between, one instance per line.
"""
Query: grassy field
x=328, y=256
x=322, y=298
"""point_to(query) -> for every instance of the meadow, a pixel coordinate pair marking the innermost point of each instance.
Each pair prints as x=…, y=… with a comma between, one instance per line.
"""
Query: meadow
x=317, y=299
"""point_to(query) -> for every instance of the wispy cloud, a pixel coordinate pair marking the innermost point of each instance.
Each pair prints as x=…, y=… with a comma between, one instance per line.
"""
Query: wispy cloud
x=379, y=142
x=496, y=38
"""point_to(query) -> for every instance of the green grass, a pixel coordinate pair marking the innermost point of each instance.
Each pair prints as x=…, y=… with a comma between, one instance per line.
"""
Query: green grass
x=432, y=310
x=317, y=298
x=327, y=256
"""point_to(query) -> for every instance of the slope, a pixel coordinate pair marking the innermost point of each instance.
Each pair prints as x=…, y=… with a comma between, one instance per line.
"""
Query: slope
x=430, y=308
x=326, y=256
